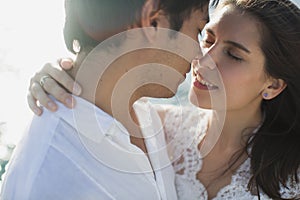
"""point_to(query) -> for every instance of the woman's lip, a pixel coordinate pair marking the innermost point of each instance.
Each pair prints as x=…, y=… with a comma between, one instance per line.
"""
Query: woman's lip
x=198, y=85
x=202, y=86
x=203, y=81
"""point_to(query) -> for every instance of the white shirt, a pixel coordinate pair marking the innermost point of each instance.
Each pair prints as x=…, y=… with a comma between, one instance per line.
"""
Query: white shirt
x=85, y=154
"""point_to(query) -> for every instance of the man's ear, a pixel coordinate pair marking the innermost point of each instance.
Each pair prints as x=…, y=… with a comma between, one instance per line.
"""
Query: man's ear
x=149, y=12
x=274, y=87
x=152, y=18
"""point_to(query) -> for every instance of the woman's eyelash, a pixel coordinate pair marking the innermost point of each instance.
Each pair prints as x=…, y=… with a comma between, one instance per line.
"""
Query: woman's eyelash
x=233, y=56
x=206, y=42
x=226, y=51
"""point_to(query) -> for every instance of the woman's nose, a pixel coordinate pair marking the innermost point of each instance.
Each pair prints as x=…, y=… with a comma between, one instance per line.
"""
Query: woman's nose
x=204, y=62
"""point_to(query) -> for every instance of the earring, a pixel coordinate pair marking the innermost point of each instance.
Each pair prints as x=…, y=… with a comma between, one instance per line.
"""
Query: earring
x=76, y=46
x=265, y=95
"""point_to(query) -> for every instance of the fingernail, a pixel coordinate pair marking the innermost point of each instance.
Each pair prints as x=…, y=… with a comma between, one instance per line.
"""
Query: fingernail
x=66, y=63
x=52, y=106
x=37, y=111
x=70, y=102
x=76, y=89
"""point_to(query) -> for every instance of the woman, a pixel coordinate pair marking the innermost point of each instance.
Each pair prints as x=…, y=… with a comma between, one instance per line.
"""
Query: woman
x=253, y=45
x=255, y=48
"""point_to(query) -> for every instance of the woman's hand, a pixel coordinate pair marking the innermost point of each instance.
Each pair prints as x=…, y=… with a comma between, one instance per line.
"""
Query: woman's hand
x=52, y=79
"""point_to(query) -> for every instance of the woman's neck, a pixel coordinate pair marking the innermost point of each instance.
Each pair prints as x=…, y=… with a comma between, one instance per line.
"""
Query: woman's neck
x=231, y=134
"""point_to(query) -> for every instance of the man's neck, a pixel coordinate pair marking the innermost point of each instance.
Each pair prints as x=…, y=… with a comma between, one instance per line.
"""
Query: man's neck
x=109, y=95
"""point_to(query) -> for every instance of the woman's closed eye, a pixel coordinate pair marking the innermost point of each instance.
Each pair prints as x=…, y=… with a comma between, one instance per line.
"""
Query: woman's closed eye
x=232, y=55
x=206, y=43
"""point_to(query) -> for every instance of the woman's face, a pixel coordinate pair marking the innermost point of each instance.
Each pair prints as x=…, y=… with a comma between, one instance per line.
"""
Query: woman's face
x=232, y=66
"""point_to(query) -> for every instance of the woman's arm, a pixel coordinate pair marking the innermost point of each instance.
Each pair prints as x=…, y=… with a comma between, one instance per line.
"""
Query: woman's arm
x=53, y=80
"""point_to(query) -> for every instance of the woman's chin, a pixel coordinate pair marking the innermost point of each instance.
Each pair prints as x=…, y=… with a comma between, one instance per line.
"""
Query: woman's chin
x=198, y=101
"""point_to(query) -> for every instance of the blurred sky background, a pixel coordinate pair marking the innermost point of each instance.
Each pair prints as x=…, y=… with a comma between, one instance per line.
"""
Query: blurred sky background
x=30, y=35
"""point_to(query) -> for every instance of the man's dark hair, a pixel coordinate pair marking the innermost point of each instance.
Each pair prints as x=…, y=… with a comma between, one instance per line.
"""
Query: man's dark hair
x=180, y=10
x=106, y=16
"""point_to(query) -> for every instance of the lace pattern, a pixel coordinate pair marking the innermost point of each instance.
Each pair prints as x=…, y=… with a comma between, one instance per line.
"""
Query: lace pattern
x=185, y=127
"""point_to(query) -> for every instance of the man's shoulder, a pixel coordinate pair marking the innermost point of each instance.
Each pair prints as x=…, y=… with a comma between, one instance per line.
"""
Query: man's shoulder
x=41, y=129
x=38, y=134
x=29, y=155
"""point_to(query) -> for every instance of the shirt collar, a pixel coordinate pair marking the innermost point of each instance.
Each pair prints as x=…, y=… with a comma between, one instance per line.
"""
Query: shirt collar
x=101, y=133
x=87, y=114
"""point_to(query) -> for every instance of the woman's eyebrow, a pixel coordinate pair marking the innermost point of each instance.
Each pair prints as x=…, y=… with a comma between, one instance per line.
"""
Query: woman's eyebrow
x=238, y=45
x=210, y=31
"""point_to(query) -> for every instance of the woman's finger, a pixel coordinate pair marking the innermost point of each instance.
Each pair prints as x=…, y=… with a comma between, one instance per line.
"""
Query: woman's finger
x=32, y=102
x=63, y=78
x=66, y=63
x=39, y=94
x=53, y=88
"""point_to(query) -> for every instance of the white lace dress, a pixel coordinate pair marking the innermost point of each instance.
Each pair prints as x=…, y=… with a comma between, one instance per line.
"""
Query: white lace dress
x=185, y=127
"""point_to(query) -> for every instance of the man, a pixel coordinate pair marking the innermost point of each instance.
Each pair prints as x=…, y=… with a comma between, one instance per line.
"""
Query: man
x=87, y=153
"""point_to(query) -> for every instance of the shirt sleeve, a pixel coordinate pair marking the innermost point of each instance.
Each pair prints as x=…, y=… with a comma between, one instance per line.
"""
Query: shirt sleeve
x=27, y=158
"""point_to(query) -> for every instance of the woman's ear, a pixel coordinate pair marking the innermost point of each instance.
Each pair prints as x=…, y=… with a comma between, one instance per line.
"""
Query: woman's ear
x=274, y=87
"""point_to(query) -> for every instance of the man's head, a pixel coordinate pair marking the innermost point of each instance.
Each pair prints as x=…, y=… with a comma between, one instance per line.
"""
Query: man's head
x=188, y=17
x=92, y=21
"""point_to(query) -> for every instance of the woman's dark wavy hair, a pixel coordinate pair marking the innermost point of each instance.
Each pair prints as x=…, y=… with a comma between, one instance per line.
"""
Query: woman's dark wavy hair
x=275, y=148
x=121, y=14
